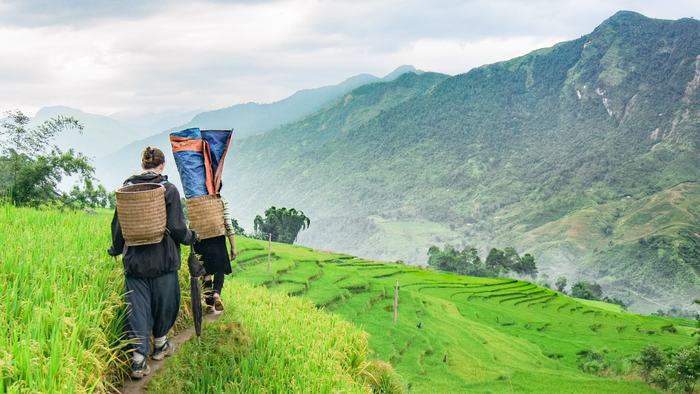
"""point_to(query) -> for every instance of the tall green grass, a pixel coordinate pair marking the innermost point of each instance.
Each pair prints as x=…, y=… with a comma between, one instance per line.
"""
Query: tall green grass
x=62, y=312
x=60, y=303
x=268, y=342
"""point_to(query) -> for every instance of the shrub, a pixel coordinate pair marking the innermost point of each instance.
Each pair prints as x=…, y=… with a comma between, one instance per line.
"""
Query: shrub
x=592, y=362
x=650, y=360
x=587, y=290
x=381, y=378
x=677, y=371
x=683, y=369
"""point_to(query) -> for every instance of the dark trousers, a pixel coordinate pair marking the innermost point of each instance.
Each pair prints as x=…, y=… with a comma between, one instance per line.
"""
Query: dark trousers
x=152, y=307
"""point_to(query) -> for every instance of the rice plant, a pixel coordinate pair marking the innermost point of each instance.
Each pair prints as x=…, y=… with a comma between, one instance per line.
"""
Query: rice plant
x=60, y=303
x=273, y=343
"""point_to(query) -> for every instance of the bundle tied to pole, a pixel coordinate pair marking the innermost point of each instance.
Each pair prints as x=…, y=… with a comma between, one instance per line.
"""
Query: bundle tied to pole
x=141, y=213
x=199, y=156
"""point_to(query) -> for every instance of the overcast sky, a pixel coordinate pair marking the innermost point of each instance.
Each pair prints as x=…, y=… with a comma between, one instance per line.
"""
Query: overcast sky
x=105, y=56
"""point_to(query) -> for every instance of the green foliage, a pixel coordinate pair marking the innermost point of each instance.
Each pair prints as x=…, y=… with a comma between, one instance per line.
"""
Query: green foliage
x=683, y=369
x=678, y=370
x=497, y=261
x=517, y=152
x=281, y=224
x=89, y=196
x=650, y=359
x=592, y=362
x=62, y=306
x=616, y=301
x=526, y=265
x=31, y=167
x=34, y=181
x=560, y=284
x=454, y=333
x=381, y=378
x=237, y=229
x=587, y=290
x=63, y=309
x=32, y=141
x=467, y=262
x=273, y=343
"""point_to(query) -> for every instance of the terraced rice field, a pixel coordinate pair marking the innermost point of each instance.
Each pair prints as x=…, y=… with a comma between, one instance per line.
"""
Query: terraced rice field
x=62, y=305
x=467, y=334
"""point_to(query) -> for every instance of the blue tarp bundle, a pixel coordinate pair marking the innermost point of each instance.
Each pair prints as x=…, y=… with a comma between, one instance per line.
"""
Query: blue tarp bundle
x=199, y=156
x=218, y=141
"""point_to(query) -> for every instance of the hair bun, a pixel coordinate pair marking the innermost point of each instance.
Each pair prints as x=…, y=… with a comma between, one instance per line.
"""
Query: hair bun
x=152, y=158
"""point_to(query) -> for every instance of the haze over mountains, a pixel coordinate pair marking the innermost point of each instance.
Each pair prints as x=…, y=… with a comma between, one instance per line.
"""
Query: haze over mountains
x=247, y=120
x=586, y=154
x=98, y=136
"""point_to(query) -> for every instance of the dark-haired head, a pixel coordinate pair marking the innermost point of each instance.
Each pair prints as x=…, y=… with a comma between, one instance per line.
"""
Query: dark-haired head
x=152, y=159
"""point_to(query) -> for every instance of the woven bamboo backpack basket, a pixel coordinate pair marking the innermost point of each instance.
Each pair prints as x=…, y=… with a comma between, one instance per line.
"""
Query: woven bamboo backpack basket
x=141, y=212
x=206, y=215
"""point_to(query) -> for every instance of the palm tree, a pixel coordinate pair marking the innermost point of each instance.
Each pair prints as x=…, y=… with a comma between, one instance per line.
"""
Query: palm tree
x=281, y=224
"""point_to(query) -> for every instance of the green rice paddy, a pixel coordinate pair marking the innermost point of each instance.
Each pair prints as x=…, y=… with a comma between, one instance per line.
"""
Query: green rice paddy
x=61, y=307
x=467, y=334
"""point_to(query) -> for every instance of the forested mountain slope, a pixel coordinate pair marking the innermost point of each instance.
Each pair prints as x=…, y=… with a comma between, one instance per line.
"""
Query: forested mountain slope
x=585, y=153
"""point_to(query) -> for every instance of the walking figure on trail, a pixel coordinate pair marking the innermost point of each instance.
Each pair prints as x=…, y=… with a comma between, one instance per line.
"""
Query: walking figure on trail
x=152, y=287
x=217, y=263
x=200, y=155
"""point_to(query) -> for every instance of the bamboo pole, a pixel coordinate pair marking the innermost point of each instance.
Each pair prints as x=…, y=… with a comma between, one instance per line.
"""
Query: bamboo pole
x=396, y=301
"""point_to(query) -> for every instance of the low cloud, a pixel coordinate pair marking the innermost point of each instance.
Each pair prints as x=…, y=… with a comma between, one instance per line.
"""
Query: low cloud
x=179, y=55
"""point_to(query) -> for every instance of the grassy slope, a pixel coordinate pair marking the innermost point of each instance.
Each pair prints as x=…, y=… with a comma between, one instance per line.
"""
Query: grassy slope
x=271, y=343
x=476, y=334
x=59, y=302
x=577, y=245
x=671, y=214
x=61, y=309
x=61, y=294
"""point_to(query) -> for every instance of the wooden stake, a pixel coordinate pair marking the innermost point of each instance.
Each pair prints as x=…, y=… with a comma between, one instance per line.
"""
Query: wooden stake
x=269, y=250
x=396, y=301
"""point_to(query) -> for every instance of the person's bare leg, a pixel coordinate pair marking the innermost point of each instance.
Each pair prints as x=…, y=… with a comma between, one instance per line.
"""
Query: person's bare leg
x=218, y=287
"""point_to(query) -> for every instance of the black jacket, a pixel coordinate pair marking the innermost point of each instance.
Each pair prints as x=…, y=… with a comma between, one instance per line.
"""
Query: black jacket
x=149, y=261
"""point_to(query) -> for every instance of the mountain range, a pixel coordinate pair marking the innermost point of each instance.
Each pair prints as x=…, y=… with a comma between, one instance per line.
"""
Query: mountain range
x=246, y=119
x=97, y=137
x=585, y=154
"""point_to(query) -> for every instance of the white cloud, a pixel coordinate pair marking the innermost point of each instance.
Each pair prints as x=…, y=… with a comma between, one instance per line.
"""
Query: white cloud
x=185, y=54
x=458, y=56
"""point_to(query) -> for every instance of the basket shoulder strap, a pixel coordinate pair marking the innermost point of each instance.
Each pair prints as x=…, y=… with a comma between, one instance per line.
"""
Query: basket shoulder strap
x=163, y=182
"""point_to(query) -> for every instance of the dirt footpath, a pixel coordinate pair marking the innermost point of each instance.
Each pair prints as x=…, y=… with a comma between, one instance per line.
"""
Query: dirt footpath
x=138, y=386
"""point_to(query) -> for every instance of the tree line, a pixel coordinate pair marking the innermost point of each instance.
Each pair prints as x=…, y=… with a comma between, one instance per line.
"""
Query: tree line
x=468, y=262
x=500, y=263
x=587, y=290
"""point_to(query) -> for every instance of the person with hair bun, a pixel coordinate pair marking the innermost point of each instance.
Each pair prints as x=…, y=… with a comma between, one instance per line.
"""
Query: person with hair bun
x=152, y=286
